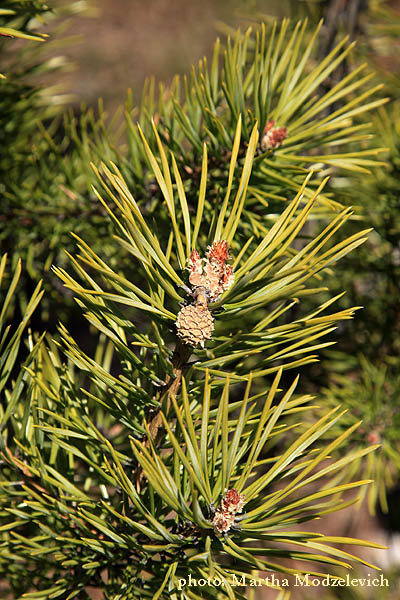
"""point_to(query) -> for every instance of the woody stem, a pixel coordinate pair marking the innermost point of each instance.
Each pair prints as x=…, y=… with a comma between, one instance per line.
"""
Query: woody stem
x=171, y=388
x=180, y=357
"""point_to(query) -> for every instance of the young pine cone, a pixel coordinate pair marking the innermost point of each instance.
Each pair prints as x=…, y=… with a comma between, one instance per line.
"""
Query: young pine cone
x=194, y=324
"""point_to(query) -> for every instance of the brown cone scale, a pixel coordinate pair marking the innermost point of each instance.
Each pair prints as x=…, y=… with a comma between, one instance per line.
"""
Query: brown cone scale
x=194, y=324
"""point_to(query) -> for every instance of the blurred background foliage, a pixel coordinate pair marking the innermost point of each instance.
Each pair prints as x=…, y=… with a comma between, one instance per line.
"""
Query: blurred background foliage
x=54, y=126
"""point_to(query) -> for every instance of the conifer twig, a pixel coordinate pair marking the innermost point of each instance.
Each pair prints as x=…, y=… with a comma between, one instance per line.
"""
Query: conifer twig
x=171, y=387
x=180, y=357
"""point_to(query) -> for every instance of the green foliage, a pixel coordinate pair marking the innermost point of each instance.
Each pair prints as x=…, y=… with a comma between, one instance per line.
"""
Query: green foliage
x=368, y=387
x=82, y=506
x=116, y=462
x=373, y=24
x=370, y=393
x=266, y=75
x=73, y=510
x=373, y=280
x=249, y=78
x=266, y=272
x=10, y=339
x=16, y=19
x=34, y=188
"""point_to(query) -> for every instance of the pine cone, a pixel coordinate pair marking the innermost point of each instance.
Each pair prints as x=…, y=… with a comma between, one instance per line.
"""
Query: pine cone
x=194, y=324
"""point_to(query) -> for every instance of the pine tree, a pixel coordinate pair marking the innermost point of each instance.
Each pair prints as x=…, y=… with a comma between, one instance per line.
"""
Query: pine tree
x=182, y=447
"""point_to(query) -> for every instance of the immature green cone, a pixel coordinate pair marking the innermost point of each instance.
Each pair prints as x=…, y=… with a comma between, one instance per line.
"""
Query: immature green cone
x=194, y=324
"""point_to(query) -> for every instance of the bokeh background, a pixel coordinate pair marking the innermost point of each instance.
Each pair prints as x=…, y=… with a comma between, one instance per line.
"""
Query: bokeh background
x=119, y=43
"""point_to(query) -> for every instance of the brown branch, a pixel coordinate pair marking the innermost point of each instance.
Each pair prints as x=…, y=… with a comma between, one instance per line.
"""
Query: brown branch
x=171, y=388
